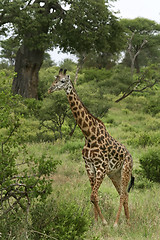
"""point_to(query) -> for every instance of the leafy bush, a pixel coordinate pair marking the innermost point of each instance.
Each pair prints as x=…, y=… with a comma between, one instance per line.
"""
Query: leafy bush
x=153, y=105
x=46, y=77
x=10, y=226
x=22, y=176
x=94, y=74
x=142, y=182
x=144, y=139
x=53, y=113
x=150, y=164
x=72, y=146
x=62, y=221
x=118, y=82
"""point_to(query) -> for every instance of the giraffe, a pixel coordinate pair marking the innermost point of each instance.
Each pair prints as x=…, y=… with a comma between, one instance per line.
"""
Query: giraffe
x=102, y=153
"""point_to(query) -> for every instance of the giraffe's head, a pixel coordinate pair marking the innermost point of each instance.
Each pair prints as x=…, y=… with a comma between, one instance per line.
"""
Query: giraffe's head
x=62, y=81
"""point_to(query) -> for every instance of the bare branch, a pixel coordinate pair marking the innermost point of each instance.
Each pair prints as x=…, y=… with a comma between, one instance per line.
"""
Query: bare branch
x=137, y=85
x=71, y=133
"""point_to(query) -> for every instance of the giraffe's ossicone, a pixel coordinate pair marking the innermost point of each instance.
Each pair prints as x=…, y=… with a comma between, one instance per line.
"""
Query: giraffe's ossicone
x=102, y=153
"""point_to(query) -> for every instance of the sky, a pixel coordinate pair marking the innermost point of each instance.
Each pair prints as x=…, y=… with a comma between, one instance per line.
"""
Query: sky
x=127, y=9
x=139, y=8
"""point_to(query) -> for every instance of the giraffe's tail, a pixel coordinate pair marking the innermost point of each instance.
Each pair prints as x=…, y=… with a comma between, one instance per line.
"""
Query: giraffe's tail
x=131, y=184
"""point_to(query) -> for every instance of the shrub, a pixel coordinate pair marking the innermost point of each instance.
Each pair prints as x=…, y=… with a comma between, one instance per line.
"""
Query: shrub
x=141, y=181
x=144, y=139
x=119, y=80
x=150, y=164
x=46, y=77
x=10, y=226
x=153, y=105
x=94, y=74
x=62, y=221
x=140, y=140
x=72, y=146
x=53, y=112
x=22, y=176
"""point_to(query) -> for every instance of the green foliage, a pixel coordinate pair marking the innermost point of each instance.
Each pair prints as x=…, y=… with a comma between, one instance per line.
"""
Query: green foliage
x=39, y=27
x=87, y=29
x=62, y=221
x=72, y=146
x=119, y=81
x=153, y=104
x=47, y=61
x=22, y=175
x=112, y=81
x=94, y=99
x=46, y=77
x=94, y=74
x=138, y=30
x=10, y=225
x=150, y=164
x=142, y=182
x=144, y=139
x=53, y=112
x=68, y=64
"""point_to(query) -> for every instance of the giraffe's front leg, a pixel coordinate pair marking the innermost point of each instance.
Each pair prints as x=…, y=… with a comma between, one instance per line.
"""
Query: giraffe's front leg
x=94, y=197
x=96, y=176
x=92, y=176
x=92, y=182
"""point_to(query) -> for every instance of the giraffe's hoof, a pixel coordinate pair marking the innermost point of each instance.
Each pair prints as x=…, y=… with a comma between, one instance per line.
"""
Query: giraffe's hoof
x=104, y=222
x=128, y=223
x=115, y=225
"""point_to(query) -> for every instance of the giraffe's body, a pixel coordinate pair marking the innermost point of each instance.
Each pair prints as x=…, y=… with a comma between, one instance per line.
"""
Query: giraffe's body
x=102, y=154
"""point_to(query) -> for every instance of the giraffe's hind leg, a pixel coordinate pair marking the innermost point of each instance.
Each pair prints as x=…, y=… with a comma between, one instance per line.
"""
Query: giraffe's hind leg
x=117, y=183
x=92, y=176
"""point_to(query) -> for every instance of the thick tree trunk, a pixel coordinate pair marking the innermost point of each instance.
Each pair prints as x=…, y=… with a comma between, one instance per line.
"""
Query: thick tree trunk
x=27, y=66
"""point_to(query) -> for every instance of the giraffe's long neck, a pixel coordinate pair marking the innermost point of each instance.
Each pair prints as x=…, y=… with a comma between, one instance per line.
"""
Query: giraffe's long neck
x=86, y=121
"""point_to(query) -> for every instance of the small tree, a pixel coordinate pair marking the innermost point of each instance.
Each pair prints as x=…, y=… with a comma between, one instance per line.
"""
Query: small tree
x=142, y=42
x=53, y=112
x=22, y=176
x=150, y=164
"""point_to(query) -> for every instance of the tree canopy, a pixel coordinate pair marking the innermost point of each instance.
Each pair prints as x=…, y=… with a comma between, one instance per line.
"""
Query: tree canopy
x=142, y=36
x=75, y=26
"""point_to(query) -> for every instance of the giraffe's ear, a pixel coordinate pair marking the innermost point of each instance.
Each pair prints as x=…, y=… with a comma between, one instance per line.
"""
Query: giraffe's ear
x=65, y=70
x=60, y=71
